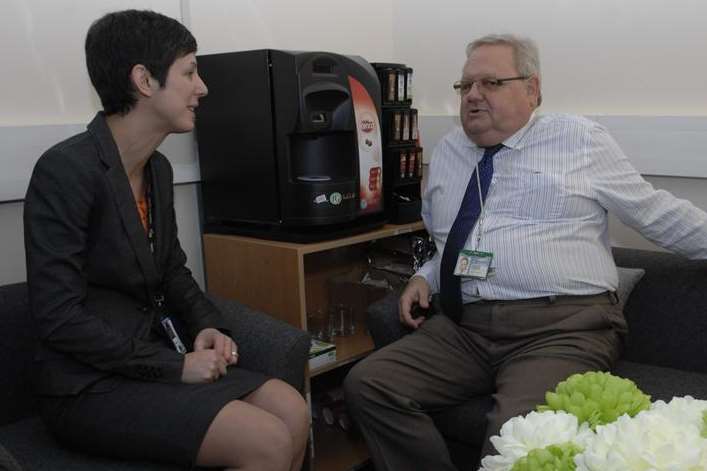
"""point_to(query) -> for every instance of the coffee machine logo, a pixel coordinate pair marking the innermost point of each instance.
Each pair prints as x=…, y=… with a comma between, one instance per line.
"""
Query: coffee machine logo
x=370, y=152
x=367, y=126
x=335, y=198
x=368, y=123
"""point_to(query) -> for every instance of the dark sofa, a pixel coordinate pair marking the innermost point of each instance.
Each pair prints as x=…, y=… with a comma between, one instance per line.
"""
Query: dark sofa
x=265, y=344
x=665, y=350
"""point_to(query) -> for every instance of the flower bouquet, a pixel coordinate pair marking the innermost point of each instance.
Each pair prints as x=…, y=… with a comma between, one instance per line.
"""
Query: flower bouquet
x=599, y=422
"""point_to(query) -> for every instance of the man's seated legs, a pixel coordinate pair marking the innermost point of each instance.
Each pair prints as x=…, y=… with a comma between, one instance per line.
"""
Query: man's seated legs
x=514, y=350
x=392, y=392
x=543, y=344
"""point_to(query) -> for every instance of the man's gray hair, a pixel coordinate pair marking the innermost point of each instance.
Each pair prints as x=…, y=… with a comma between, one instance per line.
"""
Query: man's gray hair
x=525, y=51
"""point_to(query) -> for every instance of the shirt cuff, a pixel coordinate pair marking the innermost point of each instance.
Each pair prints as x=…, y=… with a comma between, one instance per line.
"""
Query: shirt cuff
x=429, y=271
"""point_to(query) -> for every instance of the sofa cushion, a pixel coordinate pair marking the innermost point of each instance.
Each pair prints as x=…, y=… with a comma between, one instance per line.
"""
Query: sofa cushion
x=16, y=353
x=7, y=461
x=35, y=449
x=461, y=423
x=663, y=383
x=628, y=277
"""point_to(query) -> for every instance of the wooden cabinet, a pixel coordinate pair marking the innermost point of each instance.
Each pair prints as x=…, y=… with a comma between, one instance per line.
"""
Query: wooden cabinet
x=287, y=280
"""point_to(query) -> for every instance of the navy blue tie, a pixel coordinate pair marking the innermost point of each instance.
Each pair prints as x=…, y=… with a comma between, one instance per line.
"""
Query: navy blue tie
x=450, y=284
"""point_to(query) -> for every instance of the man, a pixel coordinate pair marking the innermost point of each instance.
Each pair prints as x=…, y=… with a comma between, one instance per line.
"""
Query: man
x=525, y=197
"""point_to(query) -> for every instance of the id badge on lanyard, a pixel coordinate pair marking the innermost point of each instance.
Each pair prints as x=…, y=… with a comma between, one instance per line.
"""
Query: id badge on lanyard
x=474, y=264
x=158, y=299
x=168, y=325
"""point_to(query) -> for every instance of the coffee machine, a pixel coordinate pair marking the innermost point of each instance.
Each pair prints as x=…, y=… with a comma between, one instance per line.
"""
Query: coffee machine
x=290, y=144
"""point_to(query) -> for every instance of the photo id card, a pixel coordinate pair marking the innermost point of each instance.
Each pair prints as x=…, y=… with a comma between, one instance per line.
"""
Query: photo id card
x=474, y=264
x=173, y=335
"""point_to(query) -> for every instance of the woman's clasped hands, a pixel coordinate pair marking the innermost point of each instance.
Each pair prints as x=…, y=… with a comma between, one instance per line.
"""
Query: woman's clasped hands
x=213, y=352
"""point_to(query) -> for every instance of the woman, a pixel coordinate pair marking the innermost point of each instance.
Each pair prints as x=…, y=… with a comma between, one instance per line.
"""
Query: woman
x=108, y=280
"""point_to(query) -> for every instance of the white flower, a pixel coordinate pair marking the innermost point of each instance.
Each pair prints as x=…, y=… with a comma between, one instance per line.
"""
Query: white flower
x=682, y=410
x=651, y=441
x=520, y=435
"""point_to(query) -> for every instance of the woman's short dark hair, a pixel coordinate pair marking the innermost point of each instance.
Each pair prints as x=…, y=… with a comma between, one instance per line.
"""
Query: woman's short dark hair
x=118, y=41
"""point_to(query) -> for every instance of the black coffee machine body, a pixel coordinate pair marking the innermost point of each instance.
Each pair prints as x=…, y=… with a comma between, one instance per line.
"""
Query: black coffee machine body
x=290, y=144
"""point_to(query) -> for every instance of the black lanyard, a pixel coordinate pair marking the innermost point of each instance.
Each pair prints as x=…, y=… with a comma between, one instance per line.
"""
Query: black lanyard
x=150, y=223
x=158, y=298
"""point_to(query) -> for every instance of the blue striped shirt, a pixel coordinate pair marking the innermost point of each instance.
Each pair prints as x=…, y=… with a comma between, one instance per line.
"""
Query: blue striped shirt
x=545, y=216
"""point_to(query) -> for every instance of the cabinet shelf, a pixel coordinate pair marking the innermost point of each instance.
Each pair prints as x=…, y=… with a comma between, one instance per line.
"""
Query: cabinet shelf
x=348, y=349
x=283, y=278
x=338, y=450
x=287, y=280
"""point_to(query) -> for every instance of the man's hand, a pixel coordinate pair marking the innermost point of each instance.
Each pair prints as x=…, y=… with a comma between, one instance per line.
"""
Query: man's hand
x=416, y=292
x=212, y=339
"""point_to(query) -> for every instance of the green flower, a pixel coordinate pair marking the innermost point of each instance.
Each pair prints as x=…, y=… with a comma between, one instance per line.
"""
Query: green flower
x=597, y=398
x=558, y=457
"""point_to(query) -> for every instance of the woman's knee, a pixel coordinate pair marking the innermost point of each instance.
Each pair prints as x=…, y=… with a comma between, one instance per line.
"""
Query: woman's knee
x=300, y=417
x=295, y=405
x=277, y=447
x=285, y=402
x=243, y=436
x=295, y=413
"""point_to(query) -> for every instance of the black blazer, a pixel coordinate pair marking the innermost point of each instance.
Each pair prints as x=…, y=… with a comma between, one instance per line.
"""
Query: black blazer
x=90, y=271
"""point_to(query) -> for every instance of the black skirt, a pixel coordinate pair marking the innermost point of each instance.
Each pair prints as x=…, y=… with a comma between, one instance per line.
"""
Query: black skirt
x=144, y=420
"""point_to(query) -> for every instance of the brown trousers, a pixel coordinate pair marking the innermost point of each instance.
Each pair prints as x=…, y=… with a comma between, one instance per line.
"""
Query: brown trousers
x=512, y=350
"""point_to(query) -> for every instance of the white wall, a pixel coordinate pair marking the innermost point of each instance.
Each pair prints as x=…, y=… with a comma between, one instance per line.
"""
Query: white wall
x=600, y=57
x=44, y=72
x=41, y=43
x=45, y=81
x=361, y=27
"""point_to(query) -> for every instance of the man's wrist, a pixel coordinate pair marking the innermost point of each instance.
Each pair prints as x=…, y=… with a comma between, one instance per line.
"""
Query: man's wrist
x=422, y=277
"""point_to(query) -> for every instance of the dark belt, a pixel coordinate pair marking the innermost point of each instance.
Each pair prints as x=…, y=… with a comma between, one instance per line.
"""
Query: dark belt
x=435, y=306
x=612, y=295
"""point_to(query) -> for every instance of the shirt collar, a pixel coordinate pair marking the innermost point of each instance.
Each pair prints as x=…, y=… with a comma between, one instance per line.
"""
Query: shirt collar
x=516, y=140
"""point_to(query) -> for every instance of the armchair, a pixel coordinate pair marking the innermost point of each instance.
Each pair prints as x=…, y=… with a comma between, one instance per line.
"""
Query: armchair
x=265, y=344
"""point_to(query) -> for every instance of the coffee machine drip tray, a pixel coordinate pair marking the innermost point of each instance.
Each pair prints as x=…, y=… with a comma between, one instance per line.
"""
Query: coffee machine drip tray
x=298, y=234
x=314, y=178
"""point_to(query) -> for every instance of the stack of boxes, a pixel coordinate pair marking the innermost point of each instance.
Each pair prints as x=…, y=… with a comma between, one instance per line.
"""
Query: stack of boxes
x=402, y=154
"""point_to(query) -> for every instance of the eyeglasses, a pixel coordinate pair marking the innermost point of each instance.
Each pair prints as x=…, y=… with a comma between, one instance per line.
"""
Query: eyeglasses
x=484, y=85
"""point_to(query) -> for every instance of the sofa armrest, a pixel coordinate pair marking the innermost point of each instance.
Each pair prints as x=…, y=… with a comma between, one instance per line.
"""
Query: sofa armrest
x=383, y=321
x=7, y=461
x=266, y=344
